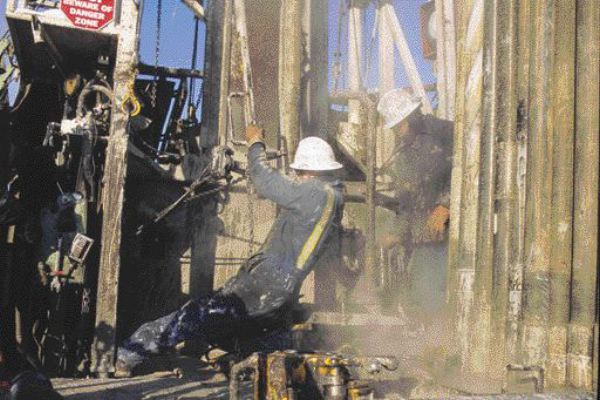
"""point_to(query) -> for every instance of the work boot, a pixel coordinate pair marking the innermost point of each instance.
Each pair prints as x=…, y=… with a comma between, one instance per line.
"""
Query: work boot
x=31, y=385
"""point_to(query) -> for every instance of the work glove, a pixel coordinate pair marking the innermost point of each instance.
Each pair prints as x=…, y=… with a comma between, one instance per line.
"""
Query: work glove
x=436, y=223
x=254, y=134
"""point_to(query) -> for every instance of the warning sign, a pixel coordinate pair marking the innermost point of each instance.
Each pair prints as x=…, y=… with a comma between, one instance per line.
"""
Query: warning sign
x=89, y=14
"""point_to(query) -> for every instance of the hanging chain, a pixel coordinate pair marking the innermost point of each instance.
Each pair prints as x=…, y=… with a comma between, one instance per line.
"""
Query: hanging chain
x=156, y=54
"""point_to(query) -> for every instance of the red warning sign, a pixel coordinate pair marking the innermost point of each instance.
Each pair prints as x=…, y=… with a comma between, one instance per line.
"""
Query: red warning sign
x=89, y=14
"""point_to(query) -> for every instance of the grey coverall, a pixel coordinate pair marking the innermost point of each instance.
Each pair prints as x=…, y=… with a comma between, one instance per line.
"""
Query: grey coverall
x=258, y=297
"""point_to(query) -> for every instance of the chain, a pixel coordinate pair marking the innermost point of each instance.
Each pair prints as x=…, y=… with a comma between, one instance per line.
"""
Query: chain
x=156, y=54
x=221, y=188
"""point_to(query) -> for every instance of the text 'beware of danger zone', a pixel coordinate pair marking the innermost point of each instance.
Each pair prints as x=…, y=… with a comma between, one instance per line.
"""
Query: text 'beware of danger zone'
x=89, y=14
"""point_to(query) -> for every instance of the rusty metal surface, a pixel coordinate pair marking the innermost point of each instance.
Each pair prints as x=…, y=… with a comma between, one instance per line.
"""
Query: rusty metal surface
x=292, y=375
x=505, y=199
x=536, y=296
x=585, y=233
x=469, y=130
x=562, y=192
x=516, y=213
x=484, y=268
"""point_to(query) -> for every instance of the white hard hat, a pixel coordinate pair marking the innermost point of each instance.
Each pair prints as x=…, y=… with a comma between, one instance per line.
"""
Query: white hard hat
x=315, y=154
x=396, y=105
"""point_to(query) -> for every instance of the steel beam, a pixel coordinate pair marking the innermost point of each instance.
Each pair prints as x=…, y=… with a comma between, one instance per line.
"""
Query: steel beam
x=195, y=7
x=389, y=17
x=113, y=194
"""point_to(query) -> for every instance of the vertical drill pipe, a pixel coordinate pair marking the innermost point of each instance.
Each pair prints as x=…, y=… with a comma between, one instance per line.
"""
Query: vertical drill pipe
x=585, y=232
x=536, y=284
x=386, y=142
x=315, y=91
x=241, y=23
x=225, y=72
x=371, y=252
x=473, y=67
x=562, y=192
x=481, y=321
x=450, y=57
x=387, y=79
x=506, y=199
x=440, y=61
x=355, y=61
x=290, y=73
x=457, y=166
x=445, y=58
x=515, y=273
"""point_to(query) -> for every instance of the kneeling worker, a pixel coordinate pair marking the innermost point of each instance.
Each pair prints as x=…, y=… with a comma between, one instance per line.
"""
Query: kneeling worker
x=260, y=296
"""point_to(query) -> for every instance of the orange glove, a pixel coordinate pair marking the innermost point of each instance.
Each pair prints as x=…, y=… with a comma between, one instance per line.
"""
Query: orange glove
x=436, y=223
x=254, y=134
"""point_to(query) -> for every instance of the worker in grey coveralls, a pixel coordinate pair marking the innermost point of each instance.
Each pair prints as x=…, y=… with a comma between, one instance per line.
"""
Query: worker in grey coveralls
x=421, y=171
x=259, y=297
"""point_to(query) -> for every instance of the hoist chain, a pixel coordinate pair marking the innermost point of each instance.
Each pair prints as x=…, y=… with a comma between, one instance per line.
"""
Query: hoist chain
x=153, y=94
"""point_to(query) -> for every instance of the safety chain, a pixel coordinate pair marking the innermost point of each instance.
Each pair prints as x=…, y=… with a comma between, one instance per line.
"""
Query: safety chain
x=156, y=54
x=216, y=190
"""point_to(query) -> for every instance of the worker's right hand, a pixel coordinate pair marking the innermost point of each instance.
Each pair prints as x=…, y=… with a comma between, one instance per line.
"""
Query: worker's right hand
x=436, y=223
x=254, y=134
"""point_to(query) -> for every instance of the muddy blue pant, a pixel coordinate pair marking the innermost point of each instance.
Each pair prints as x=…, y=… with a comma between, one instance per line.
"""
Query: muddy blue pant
x=246, y=310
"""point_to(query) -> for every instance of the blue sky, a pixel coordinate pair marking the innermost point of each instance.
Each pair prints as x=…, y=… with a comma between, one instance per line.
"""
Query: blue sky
x=178, y=28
